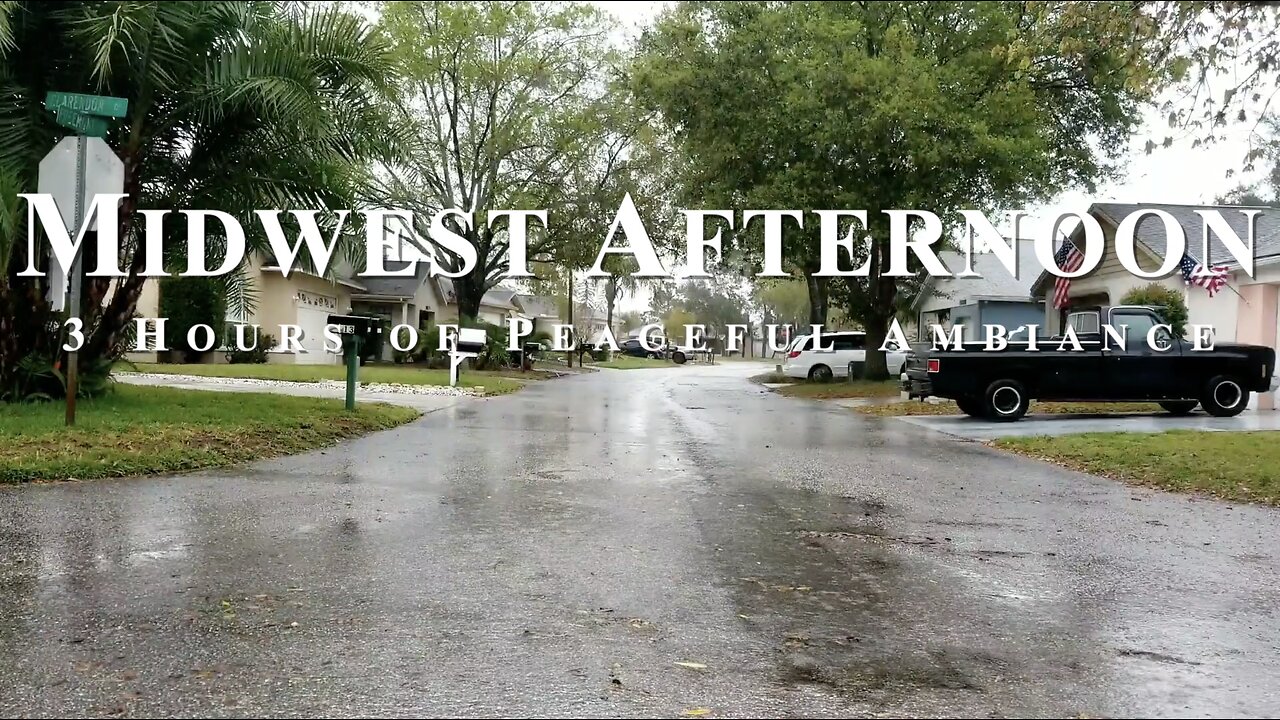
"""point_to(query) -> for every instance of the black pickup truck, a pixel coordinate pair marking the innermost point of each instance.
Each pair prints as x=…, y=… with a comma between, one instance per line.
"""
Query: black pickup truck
x=999, y=385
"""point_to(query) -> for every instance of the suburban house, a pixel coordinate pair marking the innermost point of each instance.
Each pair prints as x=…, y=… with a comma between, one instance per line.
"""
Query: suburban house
x=303, y=299
x=1245, y=310
x=540, y=310
x=307, y=300
x=994, y=297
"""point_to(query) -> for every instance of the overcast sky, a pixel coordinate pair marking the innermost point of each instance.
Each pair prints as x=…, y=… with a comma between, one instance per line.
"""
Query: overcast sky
x=1178, y=174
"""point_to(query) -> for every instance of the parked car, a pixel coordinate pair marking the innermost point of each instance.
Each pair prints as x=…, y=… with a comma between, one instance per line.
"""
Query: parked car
x=831, y=357
x=999, y=385
x=635, y=348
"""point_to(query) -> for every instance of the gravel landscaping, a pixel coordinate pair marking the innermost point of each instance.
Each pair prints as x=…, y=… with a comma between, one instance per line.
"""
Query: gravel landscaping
x=397, y=388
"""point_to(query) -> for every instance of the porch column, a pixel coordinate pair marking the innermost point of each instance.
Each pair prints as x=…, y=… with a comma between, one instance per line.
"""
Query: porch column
x=1050, y=326
x=1256, y=324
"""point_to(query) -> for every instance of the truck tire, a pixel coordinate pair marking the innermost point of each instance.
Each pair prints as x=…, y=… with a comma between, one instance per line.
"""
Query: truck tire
x=1005, y=401
x=820, y=373
x=678, y=357
x=971, y=407
x=1224, y=397
x=1179, y=407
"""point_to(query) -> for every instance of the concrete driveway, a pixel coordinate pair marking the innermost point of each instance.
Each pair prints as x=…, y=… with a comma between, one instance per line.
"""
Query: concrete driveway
x=972, y=429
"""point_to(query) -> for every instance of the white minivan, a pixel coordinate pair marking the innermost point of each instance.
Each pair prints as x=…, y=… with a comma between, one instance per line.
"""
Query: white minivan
x=831, y=359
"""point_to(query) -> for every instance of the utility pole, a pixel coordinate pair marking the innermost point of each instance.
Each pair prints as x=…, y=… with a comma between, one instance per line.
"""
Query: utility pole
x=569, y=358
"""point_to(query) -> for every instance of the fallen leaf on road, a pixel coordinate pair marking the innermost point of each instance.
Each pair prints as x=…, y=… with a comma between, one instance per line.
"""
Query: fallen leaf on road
x=692, y=665
x=696, y=711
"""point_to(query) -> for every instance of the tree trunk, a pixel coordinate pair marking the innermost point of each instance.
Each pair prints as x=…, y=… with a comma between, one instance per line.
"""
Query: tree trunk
x=880, y=312
x=610, y=297
x=818, y=287
x=469, y=290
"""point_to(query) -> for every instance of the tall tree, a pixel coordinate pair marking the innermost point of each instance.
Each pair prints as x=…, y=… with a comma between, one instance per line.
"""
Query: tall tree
x=881, y=106
x=233, y=106
x=511, y=105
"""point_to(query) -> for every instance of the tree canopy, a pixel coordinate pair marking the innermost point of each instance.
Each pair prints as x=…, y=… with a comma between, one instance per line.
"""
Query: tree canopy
x=877, y=106
x=233, y=106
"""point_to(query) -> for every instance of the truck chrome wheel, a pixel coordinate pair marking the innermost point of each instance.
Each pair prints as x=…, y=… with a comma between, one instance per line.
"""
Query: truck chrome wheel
x=1224, y=397
x=1005, y=401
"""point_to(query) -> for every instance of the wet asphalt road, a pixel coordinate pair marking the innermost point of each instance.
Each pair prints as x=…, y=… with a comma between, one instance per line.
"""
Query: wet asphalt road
x=557, y=552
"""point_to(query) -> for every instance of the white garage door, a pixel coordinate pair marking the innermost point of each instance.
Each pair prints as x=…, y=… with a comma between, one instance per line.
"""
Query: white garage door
x=312, y=321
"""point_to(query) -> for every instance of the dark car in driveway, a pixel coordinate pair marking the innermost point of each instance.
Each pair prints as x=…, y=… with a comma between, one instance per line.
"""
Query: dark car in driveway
x=1114, y=362
x=635, y=348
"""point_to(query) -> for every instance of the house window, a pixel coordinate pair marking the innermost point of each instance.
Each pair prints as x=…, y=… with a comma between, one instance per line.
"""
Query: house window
x=230, y=321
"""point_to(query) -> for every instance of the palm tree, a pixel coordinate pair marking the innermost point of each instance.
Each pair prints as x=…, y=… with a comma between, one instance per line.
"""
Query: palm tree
x=233, y=106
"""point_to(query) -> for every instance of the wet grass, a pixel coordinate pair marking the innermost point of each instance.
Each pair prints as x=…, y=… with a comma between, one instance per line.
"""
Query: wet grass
x=830, y=390
x=1238, y=466
x=916, y=407
x=497, y=382
x=627, y=362
x=144, y=430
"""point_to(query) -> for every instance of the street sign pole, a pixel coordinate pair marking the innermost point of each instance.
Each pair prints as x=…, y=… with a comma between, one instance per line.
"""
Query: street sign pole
x=74, y=281
x=86, y=116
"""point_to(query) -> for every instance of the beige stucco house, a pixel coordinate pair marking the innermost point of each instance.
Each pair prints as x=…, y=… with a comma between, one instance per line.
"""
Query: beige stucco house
x=1245, y=311
x=303, y=299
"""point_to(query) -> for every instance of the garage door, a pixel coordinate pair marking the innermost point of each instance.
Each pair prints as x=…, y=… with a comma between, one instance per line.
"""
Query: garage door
x=312, y=321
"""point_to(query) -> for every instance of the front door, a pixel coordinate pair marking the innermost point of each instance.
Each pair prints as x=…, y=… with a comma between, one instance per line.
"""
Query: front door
x=1136, y=370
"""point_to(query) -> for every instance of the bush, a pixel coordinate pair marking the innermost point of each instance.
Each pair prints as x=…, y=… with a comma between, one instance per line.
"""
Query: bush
x=257, y=356
x=187, y=302
x=1170, y=303
x=428, y=347
x=38, y=378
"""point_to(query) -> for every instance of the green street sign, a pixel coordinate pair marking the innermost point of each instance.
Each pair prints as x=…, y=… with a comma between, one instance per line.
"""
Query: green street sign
x=103, y=105
x=82, y=124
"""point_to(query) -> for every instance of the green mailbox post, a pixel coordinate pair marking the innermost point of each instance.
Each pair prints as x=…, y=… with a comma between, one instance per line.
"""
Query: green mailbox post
x=355, y=331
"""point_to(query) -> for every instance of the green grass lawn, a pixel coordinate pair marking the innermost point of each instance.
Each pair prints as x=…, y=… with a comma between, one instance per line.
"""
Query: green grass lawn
x=916, y=407
x=1230, y=465
x=830, y=390
x=627, y=362
x=494, y=382
x=142, y=430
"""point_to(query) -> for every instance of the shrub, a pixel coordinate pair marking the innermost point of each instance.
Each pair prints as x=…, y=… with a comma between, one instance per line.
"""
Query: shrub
x=1170, y=303
x=187, y=302
x=428, y=347
x=38, y=378
x=495, y=354
x=256, y=356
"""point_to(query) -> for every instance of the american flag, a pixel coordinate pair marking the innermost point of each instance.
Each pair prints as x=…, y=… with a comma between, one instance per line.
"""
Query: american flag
x=1212, y=280
x=1069, y=258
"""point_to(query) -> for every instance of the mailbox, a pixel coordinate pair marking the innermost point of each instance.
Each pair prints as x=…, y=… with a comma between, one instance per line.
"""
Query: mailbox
x=355, y=330
x=470, y=340
x=359, y=326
